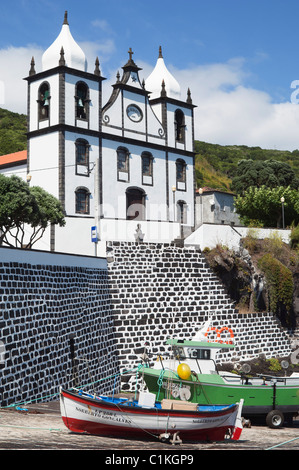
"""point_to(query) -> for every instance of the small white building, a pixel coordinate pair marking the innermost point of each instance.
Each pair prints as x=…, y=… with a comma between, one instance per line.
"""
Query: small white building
x=214, y=206
x=113, y=166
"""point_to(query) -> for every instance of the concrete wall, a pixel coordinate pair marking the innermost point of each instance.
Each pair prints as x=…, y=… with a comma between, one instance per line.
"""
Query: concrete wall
x=210, y=235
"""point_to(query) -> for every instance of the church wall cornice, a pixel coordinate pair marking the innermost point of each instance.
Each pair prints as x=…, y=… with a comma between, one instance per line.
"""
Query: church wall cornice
x=131, y=141
x=63, y=127
x=173, y=101
x=111, y=137
x=64, y=69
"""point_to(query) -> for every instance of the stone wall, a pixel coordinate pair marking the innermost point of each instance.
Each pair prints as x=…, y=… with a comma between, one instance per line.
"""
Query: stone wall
x=69, y=321
x=56, y=324
x=162, y=290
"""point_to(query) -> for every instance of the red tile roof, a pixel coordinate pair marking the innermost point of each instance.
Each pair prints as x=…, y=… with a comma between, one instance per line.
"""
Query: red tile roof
x=12, y=159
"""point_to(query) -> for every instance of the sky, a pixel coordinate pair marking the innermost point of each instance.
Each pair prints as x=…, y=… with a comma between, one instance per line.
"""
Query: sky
x=240, y=58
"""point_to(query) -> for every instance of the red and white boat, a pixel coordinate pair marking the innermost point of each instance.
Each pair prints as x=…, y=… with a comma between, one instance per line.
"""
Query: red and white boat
x=145, y=418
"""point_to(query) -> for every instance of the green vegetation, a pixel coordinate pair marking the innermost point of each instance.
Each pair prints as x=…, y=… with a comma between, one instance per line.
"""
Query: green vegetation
x=25, y=212
x=259, y=173
x=217, y=165
x=263, y=206
x=13, y=128
x=294, y=237
x=280, y=287
x=234, y=273
x=272, y=261
x=274, y=364
x=259, y=178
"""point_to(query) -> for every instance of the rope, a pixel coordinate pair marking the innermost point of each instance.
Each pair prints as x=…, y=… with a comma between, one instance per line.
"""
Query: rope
x=282, y=443
x=160, y=382
x=136, y=424
x=202, y=388
x=35, y=400
x=30, y=401
x=137, y=371
x=30, y=427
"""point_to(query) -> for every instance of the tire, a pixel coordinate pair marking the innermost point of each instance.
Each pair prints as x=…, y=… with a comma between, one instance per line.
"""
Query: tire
x=274, y=419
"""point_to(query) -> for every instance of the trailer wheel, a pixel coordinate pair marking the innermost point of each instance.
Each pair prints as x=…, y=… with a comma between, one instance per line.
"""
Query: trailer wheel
x=274, y=419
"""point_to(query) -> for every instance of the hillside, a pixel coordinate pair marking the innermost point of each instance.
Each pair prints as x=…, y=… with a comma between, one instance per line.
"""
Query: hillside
x=13, y=128
x=261, y=277
x=215, y=165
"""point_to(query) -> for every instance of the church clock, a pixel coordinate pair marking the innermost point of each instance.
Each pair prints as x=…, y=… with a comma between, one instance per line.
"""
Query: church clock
x=134, y=113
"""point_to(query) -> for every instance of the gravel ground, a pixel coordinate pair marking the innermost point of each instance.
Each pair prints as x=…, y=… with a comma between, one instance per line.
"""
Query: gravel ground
x=41, y=428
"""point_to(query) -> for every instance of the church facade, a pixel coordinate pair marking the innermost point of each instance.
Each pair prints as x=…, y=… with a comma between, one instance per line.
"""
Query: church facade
x=123, y=170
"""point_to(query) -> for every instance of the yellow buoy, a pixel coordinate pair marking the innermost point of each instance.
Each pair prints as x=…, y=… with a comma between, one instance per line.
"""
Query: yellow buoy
x=184, y=371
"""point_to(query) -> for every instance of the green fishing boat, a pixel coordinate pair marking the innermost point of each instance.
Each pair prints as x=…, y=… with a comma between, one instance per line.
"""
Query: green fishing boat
x=191, y=374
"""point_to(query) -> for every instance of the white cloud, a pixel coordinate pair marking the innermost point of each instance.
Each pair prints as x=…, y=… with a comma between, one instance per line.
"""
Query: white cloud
x=103, y=50
x=230, y=113
x=14, y=67
x=103, y=26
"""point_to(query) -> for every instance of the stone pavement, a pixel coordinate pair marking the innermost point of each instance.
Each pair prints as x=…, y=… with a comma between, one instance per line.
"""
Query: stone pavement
x=41, y=428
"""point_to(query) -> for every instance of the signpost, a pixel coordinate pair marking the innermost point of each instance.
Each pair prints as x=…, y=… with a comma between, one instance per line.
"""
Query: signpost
x=94, y=238
x=94, y=234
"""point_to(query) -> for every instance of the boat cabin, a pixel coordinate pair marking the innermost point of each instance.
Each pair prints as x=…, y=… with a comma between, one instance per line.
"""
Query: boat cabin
x=199, y=355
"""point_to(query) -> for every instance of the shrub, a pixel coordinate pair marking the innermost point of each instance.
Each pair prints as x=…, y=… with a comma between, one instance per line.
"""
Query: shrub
x=294, y=237
x=274, y=365
x=280, y=287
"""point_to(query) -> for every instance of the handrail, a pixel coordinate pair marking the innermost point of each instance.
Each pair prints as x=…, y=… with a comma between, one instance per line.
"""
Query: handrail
x=248, y=380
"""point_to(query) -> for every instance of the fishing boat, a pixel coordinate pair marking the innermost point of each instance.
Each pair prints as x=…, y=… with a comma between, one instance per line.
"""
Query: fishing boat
x=145, y=418
x=191, y=374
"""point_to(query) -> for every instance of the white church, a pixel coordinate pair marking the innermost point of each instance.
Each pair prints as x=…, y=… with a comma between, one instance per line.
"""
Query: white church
x=122, y=170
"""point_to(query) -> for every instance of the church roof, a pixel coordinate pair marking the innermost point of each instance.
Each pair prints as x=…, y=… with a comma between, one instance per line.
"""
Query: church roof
x=12, y=159
x=160, y=75
x=73, y=55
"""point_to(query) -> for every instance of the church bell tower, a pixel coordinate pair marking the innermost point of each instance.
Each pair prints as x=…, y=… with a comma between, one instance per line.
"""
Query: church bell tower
x=64, y=112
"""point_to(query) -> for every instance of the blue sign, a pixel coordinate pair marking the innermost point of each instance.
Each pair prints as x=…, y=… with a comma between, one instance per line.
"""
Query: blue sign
x=94, y=234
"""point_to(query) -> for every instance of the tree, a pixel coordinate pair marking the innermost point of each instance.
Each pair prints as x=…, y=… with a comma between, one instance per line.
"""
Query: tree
x=263, y=206
x=269, y=173
x=25, y=212
x=50, y=212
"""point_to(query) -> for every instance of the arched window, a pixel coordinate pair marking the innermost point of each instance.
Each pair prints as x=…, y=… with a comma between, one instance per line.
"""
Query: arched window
x=44, y=101
x=82, y=157
x=179, y=126
x=147, y=168
x=123, y=164
x=181, y=174
x=82, y=200
x=135, y=204
x=82, y=101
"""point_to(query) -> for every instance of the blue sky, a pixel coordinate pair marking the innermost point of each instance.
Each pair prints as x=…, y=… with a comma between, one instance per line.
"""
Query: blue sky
x=239, y=57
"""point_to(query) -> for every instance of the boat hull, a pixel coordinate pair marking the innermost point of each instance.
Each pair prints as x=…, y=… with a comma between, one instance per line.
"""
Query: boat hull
x=82, y=414
x=259, y=400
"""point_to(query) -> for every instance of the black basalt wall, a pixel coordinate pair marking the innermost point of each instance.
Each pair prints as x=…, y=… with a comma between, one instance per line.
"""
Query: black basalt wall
x=73, y=321
x=160, y=291
x=56, y=325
